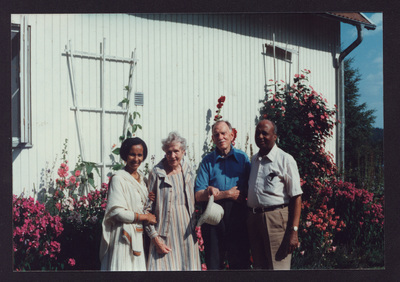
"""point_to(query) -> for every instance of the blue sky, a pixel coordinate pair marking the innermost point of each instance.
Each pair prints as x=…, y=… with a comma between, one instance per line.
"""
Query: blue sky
x=368, y=58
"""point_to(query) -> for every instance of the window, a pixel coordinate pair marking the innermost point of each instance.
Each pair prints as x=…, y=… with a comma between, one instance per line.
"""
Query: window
x=21, y=85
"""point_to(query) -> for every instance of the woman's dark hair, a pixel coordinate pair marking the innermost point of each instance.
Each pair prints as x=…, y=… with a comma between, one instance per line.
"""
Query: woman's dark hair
x=128, y=143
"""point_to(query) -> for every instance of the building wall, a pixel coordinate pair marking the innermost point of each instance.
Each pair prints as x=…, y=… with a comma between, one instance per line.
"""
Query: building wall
x=185, y=63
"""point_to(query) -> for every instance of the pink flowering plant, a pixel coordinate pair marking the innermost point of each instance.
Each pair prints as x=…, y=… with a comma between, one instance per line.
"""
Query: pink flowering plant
x=53, y=234
x=36, y=235
x=340, y=225
x=200, y=242
x=82, y=219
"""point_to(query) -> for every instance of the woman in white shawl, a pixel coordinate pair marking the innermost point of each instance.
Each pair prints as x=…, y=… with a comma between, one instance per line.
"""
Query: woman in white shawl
x=121, y=246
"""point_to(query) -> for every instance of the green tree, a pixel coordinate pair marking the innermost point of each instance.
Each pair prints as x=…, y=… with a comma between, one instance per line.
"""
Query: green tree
x=361, y=155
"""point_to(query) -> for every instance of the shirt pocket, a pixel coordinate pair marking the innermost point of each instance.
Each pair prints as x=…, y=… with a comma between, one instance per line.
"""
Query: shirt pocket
x=272, y=180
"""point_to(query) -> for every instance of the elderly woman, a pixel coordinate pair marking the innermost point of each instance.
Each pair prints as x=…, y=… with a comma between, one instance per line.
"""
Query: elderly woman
x=173, y=243
x=121, y=246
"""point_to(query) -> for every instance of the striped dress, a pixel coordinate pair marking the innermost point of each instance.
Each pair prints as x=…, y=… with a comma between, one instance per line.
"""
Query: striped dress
x=184, y=254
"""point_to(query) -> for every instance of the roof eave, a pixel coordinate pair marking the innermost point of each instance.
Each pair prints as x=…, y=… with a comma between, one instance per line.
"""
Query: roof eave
x=368, y=24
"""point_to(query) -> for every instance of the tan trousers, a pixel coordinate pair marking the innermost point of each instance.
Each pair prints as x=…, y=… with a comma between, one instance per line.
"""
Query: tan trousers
x=266, y=233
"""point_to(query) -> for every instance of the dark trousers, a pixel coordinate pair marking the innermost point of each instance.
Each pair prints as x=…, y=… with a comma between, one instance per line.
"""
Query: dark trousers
x=227, y=240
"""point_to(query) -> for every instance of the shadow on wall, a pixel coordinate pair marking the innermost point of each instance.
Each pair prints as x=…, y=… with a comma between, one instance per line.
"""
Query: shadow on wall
x=206, y=145
x=249, y=25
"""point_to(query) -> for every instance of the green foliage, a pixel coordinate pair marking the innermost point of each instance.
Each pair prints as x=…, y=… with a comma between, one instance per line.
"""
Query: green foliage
x=86, y=169
x=130, y=132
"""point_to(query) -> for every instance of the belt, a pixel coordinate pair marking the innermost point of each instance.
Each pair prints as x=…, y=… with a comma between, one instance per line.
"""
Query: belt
x=267, y=209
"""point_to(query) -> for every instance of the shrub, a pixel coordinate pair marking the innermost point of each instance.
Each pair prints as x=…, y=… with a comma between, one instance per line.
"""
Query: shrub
x=35, y=236
x=83, y=228
x=338, y=221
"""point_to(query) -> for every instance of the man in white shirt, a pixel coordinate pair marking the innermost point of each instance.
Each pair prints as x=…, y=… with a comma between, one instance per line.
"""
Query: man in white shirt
x=274, y=202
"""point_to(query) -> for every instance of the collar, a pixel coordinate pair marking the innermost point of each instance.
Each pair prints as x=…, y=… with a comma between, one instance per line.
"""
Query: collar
x=271, y=155
x=159, y=170
x=232, y=153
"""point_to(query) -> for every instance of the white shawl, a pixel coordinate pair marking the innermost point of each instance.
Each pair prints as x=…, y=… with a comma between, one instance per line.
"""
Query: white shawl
x=122, y=194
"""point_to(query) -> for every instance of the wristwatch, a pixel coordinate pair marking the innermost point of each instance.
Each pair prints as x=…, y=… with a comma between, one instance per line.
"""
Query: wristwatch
x=294, y=228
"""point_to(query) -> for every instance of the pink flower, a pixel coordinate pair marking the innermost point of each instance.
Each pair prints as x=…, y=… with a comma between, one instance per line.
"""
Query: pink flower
x=71, y=262
x=78, y=172
x=72, y=179
x=62, y=172
x=310, y=115
x=203, y=266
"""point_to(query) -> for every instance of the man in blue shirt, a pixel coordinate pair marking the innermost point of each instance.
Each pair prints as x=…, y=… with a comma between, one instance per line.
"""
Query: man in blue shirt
x=224, y=173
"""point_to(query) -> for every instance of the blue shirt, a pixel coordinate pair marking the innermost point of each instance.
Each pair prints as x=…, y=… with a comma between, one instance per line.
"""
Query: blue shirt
x=224, y=172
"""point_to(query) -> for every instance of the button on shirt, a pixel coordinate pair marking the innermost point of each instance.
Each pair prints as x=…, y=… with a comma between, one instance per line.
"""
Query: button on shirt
x=224, y=172
x=274, y=179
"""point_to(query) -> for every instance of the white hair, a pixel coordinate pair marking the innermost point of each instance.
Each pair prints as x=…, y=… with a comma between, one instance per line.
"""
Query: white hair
x=173, y=137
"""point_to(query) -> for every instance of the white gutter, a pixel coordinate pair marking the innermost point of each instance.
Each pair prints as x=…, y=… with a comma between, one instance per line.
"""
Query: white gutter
x=340, y=150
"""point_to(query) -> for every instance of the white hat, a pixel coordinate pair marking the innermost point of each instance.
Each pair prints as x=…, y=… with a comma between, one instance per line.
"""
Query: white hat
x=213, y=213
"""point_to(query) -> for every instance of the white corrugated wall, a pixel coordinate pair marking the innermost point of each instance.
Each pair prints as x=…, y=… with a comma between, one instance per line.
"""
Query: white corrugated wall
x=186, y=62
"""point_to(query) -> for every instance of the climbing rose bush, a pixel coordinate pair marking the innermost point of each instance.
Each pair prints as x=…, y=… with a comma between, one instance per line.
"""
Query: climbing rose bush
x=335, y=214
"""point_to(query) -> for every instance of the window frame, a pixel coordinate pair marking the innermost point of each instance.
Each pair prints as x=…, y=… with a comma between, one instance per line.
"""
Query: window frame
x=22, y=132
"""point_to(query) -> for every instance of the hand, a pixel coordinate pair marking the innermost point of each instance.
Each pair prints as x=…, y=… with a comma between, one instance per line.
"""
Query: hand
x=212, y=191
x=234, y=194
x=161, y=247
x=150, y=218
x=152, y=196
x=293, y=243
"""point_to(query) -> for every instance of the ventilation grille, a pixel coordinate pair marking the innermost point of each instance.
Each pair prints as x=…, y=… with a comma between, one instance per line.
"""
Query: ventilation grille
x=139, y=99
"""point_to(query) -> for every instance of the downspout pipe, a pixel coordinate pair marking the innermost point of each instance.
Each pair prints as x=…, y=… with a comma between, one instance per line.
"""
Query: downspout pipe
x=340, y=151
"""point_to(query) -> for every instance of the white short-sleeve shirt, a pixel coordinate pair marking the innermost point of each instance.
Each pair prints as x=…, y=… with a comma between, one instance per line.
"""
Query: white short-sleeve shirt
x=274, y=179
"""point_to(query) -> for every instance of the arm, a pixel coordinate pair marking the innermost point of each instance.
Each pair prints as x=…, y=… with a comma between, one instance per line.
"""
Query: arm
x=294, y=220
x=118, y=210
x=236, y=194
x=203, y=191
x=161, y=247
x=152, y=186
x=201, y=188
x=204, y=195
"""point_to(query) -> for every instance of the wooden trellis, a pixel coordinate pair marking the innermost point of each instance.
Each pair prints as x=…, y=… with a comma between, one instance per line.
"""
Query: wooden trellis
x=278, y=53
x=70, y=54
